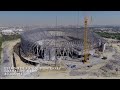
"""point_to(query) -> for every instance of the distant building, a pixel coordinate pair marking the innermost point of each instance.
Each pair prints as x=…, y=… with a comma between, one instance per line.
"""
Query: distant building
x=18, y=31
x=7, y=32
x=12, y=31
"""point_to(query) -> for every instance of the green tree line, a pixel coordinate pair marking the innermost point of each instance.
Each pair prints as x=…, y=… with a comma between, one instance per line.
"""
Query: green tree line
x=109, y=35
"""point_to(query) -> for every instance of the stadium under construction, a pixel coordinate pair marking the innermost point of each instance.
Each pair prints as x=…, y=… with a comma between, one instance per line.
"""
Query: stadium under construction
x=56, y=44
x=61, y=44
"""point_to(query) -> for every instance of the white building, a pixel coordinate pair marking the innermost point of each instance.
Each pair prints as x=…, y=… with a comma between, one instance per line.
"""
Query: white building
x=7, y=32
x=11, y=31
x=18, y=31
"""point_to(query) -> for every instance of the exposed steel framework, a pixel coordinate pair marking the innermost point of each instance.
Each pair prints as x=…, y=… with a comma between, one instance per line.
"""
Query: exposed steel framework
x=63, y=42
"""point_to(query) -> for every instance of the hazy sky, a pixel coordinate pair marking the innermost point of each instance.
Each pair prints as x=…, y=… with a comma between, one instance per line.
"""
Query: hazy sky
x=64, y=17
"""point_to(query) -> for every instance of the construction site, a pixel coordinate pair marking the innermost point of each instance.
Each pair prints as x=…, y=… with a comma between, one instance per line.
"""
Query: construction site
x=79, y=53
x=51, y=45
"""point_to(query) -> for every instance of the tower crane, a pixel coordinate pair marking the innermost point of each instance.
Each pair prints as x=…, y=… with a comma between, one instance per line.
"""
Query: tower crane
x=86, y=42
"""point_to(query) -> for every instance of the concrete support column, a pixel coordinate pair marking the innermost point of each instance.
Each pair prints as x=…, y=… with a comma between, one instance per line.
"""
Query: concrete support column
x=104, y=47
x=52, y=54
x=47, y=54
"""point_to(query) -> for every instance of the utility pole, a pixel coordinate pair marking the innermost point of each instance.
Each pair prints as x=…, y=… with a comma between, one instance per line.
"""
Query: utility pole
x=55, y=43
x=78, y=20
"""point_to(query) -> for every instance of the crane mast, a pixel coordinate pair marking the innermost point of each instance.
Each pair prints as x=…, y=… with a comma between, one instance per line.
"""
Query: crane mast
x=86, y=46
